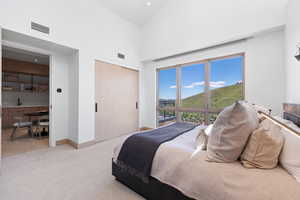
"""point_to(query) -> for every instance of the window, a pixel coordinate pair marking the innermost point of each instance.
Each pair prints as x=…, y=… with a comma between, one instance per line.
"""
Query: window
x=192, y=86
x=197, y=92
x=226, y=83
x=167, y=95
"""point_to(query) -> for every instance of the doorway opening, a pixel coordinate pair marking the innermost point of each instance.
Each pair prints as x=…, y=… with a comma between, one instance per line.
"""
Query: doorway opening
x=25, y=101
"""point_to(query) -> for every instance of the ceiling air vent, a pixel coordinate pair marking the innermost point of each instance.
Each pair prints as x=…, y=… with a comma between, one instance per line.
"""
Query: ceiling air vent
x=40, y=28
x=121, y=56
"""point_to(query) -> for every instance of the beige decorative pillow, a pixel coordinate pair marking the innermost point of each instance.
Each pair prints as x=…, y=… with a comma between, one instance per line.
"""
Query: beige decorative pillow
x=230, y=132
x=264, y=147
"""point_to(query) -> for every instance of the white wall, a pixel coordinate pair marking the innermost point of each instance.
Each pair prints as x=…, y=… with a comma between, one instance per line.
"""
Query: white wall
x=264, y=72
x=183, y=26
x=97, y=33
x=73, y=96
x=60, y=109
x=292, y=39
x=84, y=25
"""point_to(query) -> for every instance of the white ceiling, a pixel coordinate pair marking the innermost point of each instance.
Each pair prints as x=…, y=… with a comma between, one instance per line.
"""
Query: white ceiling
x=135, y=11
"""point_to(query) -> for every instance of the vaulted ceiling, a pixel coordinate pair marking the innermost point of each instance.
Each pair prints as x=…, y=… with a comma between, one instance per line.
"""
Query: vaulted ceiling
x=136, y=11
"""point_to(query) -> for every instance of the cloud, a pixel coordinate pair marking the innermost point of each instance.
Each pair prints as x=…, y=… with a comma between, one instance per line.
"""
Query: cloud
x=193, y=85
x=217, y=84
x=213, y=84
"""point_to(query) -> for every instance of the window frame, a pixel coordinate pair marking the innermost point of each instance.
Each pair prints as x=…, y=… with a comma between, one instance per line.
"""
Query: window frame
x=207, y=108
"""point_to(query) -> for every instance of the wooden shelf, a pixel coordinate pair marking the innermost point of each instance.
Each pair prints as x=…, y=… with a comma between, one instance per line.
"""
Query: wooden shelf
x=25, y=82
x=16, y=81
x=18, y=67
x=9, y=90
x=28, y=91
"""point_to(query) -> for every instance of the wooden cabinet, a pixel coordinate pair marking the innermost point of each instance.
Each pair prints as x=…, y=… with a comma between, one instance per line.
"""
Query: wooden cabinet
x=16, y=66
x=20, y=76
x=8, y=114
x=18, y=82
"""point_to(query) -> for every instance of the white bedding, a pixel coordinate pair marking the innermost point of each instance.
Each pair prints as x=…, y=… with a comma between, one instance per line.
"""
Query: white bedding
x=179, y=164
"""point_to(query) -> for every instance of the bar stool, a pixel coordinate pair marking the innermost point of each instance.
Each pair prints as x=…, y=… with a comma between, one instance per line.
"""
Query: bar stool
x=43, y=123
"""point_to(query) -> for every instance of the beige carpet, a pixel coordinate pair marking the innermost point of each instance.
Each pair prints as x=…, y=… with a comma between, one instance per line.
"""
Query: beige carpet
x=63, y=173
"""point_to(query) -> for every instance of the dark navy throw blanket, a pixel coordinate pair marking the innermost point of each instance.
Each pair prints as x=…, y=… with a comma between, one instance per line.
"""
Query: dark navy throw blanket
x=138, y=150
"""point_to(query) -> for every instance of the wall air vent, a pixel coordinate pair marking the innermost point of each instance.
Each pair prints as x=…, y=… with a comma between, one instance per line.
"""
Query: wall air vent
x=121, y=56
x=40, y=28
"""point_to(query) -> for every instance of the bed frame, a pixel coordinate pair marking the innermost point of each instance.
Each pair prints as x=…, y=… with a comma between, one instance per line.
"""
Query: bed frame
x=154, y=190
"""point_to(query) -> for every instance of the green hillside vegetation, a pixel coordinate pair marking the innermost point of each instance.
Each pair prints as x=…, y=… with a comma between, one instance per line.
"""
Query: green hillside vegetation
x=221, y=97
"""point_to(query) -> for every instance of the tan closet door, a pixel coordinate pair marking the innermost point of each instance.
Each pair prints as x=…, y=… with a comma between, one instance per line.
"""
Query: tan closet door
x=0, y=96
x=116, y=99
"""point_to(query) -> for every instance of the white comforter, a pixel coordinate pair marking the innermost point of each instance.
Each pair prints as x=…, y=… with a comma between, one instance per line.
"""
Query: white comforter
x=178, y=163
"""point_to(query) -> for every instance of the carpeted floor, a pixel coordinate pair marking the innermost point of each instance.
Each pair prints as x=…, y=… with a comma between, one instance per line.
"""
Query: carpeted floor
x=63, y=173
x=22, y=143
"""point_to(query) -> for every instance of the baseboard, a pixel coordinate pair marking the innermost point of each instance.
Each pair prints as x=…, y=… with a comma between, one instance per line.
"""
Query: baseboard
x=86, y=144
x=145, y=128
x=74, y=144
x=61, y=142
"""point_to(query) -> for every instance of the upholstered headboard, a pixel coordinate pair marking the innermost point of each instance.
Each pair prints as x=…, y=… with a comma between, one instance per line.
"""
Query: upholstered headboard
x=292, y=113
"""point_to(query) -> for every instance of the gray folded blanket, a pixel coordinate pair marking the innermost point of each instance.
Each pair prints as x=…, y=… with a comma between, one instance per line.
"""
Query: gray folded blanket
x=138, y=150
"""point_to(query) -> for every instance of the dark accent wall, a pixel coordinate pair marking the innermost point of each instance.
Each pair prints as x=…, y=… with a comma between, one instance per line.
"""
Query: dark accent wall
x=291, y=108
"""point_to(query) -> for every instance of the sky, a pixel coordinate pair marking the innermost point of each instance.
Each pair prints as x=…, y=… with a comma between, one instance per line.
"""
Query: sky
x=223, y=73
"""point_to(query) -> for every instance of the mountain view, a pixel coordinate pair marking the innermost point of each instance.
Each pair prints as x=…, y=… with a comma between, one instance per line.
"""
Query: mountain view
x=220, y=97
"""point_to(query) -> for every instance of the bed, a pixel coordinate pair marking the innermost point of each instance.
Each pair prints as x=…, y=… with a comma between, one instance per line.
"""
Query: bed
x=180, y=172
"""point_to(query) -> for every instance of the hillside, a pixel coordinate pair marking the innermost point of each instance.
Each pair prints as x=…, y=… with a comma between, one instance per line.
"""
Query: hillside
x=221, y=97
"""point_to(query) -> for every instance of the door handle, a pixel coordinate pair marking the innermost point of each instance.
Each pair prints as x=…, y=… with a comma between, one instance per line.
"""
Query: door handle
x=136, y=105
x=96, y=107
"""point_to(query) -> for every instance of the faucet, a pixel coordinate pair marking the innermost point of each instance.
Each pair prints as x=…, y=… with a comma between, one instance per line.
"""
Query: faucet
x=19, y=101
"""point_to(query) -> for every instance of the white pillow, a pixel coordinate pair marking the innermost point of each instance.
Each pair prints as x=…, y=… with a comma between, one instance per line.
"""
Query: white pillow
x=202, y=138
x=289, y=157
x=260, y=108
x=208, y=130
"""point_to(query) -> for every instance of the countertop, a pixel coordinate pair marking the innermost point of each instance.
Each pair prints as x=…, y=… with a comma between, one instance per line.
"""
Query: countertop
x=25, y=106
